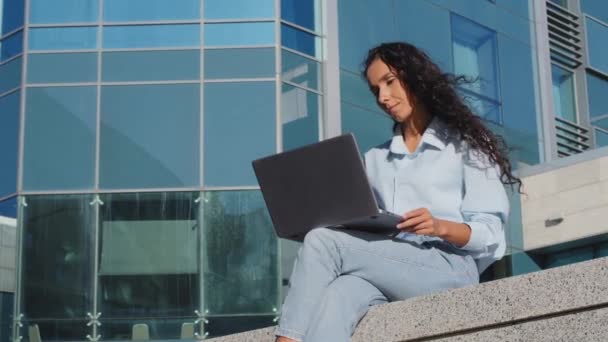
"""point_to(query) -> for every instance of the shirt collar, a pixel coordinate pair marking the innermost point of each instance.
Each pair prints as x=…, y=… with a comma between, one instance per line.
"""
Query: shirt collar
x=434, y=135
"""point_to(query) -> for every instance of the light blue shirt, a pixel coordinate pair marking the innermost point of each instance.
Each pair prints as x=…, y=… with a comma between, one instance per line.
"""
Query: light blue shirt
x=453, y=182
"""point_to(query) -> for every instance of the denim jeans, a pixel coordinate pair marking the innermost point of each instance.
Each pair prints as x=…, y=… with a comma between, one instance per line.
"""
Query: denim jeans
x=339, y=274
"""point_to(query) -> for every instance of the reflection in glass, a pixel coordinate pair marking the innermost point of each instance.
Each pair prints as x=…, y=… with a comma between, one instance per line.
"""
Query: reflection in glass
x=57, y=264
x=8, y=208
x=239, y=63
x=300, y=70
x=56, y=118
x=150, y=10
x=563, y=93
x=239, y=254
x=601, y=138
x=9, y=142
x=474, y=49
x=10, y=75
x=226, y=325
x=11, y=15
x=300, y=113
x=63, y=38
x=148, y=264
x=149, y=136
x=305, y=13
x=6, y=316
x=597, y=89
x=121, y=66
x=243, y=34
x=251, y=118
x=602, y=122
x=62, y=67
x=11, y=46
x=63, y=11
x=301, y=41
x=597, y=35
x=596, y=9
x=238, y=9
x=148, y=36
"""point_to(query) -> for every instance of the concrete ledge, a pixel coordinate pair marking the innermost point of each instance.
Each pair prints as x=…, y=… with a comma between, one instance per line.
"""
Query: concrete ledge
x=568, y=303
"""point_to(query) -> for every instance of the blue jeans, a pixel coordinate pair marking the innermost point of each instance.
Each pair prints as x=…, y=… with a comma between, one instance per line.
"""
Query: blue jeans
x=339, y=274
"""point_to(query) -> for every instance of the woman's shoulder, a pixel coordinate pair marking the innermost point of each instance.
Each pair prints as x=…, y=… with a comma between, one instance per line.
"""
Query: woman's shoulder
x=379, y=150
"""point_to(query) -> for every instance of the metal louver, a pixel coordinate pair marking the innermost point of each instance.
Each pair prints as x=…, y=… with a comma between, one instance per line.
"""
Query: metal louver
x=564, y=36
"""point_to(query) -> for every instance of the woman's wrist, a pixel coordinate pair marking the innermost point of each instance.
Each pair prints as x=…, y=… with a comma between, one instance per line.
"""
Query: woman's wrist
x=454, y=232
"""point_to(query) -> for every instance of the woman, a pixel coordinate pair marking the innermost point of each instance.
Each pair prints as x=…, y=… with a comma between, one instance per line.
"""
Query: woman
x=443, y=169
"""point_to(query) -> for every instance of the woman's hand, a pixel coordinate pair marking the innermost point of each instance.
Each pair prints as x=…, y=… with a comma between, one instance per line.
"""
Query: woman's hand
x=422, y=222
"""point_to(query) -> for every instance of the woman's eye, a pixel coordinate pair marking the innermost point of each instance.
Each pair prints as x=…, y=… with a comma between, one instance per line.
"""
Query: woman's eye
x=389, y=82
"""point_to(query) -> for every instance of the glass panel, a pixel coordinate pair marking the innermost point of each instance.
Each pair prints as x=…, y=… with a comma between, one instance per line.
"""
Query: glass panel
x=226, y=325
x=370, y=128
x=305, y=13
x=239, y=34
x=251, y=118
x=11, y=46
x=150, y=65
x=300, y=110
x=354, y=89
x=568, y=257
x=602, y=123
x=597, y=35
x=10, y=75
x=149, y=136
x=9, y=142
x=8, y=260
x=57, y=265
x=8, y=209
x=148, y=264
x=601, y=138
x=63, y=11
x=597, y=9
x=563, y=93
x=301, y=70
x=12, y=13
x=150, y=10
x=6, y=316
x=62, y=67
x=63, y=38
x=474, y=49
x=239, y=63
x=597, y=88
x=241, y=266
x=238, y=9
x=56, y=330
x=147, y=36
x=484, y=108
x=301, y=41
x=159, y=329
x=56, y=118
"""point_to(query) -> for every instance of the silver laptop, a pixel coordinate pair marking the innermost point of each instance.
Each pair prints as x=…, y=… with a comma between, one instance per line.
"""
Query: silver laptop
x=321, y=185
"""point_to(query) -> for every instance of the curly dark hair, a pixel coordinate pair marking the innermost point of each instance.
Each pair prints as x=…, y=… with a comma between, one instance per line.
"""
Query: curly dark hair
x=437, y=91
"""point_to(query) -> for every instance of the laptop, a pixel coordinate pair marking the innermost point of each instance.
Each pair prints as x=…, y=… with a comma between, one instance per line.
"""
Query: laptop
x=321, y=185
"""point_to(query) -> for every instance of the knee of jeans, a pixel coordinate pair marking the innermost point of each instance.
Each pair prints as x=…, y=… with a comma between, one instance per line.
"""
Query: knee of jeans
x=317, y=236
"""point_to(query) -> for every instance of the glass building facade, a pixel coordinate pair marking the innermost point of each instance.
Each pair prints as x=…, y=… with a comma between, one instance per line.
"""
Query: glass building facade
x=127, y=128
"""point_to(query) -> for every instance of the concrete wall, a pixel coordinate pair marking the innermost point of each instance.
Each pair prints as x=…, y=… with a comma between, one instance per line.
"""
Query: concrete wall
x=8, y=238
x=572, y=189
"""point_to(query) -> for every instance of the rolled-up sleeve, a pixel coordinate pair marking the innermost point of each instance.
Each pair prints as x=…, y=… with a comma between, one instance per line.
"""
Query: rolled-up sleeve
x=485, y=208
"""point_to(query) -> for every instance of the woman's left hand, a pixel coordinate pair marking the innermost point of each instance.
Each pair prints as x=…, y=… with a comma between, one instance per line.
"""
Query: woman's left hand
x=421, y=222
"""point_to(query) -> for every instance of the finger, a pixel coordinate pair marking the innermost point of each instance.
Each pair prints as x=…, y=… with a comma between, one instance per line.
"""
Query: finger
x=412, y=222
x=415, y=212
x=424, y=231
x=423, y=225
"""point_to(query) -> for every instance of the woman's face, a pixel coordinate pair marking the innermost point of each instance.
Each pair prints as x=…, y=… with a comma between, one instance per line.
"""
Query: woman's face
x=390, y=93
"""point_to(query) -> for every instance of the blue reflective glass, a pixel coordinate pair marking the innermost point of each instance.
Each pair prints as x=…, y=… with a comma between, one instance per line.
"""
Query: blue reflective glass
x=301, y=41
x=601, y=123
x=563, y=93
x=474, y=49
x=146, y=36
x=9, y=142
x=597, y=89
x=11, y=46
x=370, y=128
x=305, y=13
x=10, y=75
x=487, y=109
x=59, y=150
x=239, y=34
x=229, y=123
x=597, y=35
x=354, y=89
x=11, y=15
x=597, y=9
x=301, y=70
x=8, y=208
x=521, y=7
x=239, y=63
x=150, y=65
x=63, y=11
x=413, y=25
x=238, y=9
x=63, y=38
x=150, y=10
x=149, y=136
x=601, y=138
x=300, y=112
x=62, y=67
